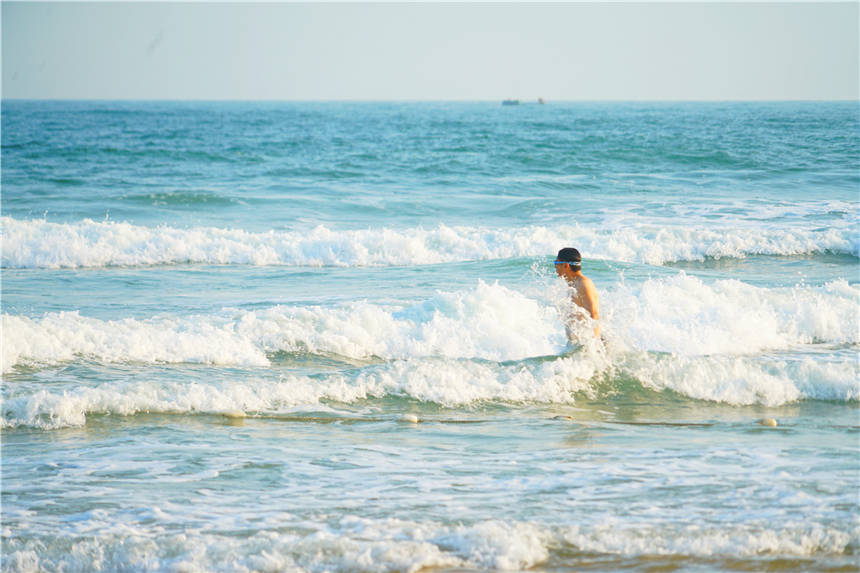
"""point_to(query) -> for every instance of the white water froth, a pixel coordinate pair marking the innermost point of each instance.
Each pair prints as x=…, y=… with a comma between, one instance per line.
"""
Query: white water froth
x=717, y=342
x=737, y=380
x=360, y=544
x=450, y=383
x=679, y=314
x=42, y=244
x=489, y=322
x=742, y=380
x=684, y=315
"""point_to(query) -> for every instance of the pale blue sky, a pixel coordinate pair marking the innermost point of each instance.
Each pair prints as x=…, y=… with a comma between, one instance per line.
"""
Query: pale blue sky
x=289, y=51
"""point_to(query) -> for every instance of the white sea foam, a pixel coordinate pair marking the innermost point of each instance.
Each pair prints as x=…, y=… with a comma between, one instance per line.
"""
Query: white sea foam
x=360, y=544
x=489, y=322
x=451, y=383
x=742, y=380
x=732, y=380
x=684, y=315
x=728, y=341
x=61, y=336
x=724, y=342
x=42, y=244
x=679, y=314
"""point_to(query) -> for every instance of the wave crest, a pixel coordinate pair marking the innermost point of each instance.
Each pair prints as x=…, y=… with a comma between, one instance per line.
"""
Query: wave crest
x=41, y=244
x=561, y=380
x=724, y=342
x=680, y=315
x=394, y=544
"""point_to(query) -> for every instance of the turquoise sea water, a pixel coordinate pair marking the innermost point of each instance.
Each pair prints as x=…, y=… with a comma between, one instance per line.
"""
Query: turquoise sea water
x=328, y=337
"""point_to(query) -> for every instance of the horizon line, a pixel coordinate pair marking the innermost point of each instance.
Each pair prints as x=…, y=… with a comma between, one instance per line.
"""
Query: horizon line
x=522, y=101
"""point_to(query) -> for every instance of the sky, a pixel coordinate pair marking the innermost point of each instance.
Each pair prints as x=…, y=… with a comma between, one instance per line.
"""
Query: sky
x=411, y=51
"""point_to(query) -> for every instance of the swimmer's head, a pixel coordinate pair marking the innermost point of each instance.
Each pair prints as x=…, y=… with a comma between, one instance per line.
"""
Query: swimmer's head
x=570, y=256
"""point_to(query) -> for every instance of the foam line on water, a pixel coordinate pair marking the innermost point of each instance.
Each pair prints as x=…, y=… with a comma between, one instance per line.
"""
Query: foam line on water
x=679, y=314
x=684, y=315
x=394, y=544
x=451, y=383
x=489, y=322
x=744, y=380
x=446, y=382
x=41, y=244
x=718, y=341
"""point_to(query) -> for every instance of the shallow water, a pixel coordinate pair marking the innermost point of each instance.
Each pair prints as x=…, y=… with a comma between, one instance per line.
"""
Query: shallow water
x=256, y=337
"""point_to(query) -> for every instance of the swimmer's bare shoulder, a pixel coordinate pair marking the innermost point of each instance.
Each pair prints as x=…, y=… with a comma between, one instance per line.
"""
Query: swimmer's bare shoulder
x=590, y=297
x=590, y=302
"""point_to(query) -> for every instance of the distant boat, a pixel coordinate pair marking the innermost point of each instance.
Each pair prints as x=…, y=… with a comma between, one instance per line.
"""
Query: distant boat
x=541, y=101
x=511, y=102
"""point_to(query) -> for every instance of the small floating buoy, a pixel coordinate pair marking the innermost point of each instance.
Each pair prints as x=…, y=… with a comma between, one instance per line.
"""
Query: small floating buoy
x=410, y=418
x=770, y=422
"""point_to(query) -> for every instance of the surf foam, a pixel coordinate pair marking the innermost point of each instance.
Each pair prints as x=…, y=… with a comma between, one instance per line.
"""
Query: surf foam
x=726, y=341
x=41, y=244
x=743, y=380
x=684, y=315
x=488, y=322
x=679, y=314
x=445, y=382
x=391, y=544
x=451, y=383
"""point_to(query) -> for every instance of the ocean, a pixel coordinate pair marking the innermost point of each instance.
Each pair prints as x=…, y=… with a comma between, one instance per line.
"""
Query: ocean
x=308, y=336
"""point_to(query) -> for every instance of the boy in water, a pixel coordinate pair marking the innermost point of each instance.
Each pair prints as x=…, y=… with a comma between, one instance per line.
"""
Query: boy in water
x=568, y=265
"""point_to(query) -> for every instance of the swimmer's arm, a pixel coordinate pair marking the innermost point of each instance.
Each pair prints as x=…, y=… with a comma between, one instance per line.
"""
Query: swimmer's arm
x=590, y=303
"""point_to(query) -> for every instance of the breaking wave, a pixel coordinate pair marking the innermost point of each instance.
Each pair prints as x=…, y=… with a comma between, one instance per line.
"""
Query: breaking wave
x=393, y=544
x=42, y=244
x=724, y=342
x=488, y=322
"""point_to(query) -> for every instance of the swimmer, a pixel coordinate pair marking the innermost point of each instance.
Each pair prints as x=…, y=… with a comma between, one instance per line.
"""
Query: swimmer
x=568, y=265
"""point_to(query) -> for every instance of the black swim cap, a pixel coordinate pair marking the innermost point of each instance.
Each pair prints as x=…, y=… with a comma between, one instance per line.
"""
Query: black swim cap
x=569, y=255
